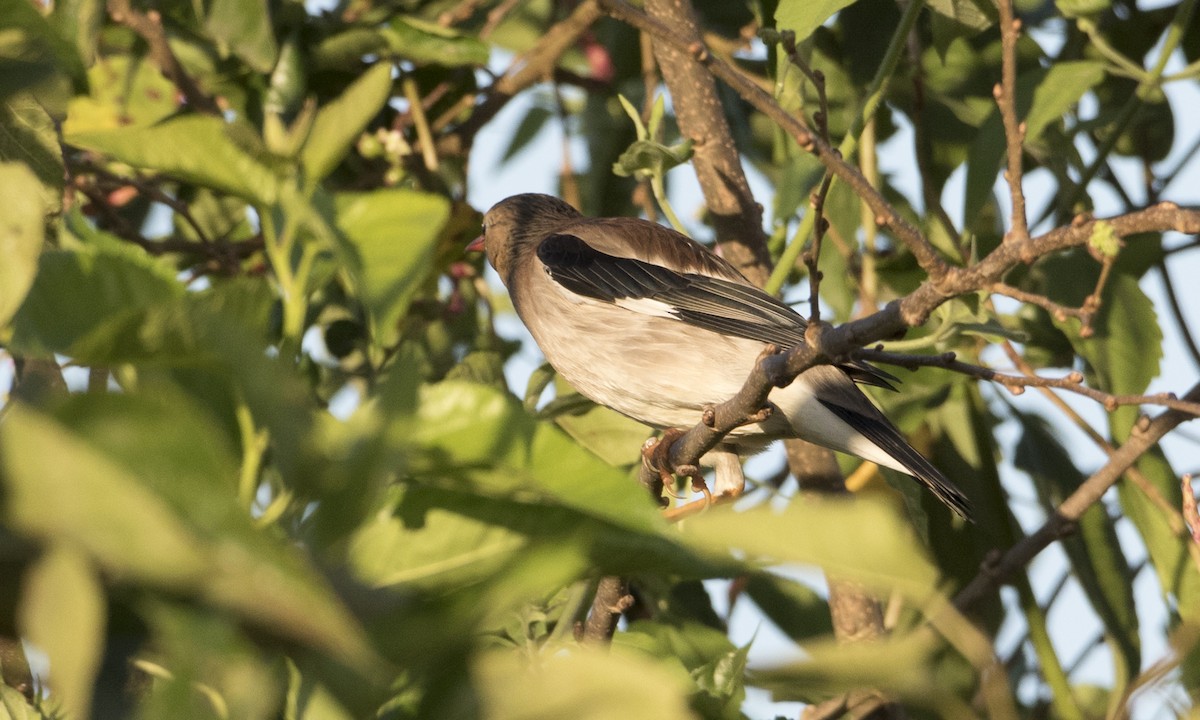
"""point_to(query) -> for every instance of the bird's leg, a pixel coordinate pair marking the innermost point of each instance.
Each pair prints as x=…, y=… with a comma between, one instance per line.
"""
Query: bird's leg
x=657, y=457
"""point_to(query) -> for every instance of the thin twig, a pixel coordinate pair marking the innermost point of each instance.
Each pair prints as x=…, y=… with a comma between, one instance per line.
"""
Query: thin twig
x=1014, y=132
x=149, y=26
x=612, y=599
x=1062, y=521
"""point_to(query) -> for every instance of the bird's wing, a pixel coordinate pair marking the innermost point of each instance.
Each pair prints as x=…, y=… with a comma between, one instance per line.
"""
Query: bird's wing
x=725, y=304
x=717, y=304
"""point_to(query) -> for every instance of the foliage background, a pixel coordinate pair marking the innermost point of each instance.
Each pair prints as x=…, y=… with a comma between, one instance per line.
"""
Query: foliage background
x=259, y=456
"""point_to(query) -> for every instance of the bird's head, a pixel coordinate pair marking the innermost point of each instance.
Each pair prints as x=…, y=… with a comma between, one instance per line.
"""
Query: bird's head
x=516, y=224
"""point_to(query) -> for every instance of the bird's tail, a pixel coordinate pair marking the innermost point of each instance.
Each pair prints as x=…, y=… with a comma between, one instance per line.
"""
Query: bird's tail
x=905, y=458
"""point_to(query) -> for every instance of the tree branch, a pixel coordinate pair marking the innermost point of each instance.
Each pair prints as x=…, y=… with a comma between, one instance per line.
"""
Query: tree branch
x=736, y=217
x=149, y=26
x=1062, y=522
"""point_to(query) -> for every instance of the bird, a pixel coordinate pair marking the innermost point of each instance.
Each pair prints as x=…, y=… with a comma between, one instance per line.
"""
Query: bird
x=644, y=320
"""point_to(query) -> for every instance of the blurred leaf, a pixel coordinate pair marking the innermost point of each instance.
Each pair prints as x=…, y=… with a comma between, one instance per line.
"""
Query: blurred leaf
x=194, y=148
x=803, y=16
x=124, y=92
x=426, y=42
x=79, y=21
x=339, y=123
x=81, y=292
x=20, y=235
x=35, y=59
x=99, y=507
x=62, y=613
x=715, y=665
x=444, y=550
x=583, y=684
x=885, y=666
x=394, y=233
x=795, y=608
x=28, y=136
x=612, y=437
x=244, y=27
x=860, y=540
x=1082, y=8
x=969, y=14
x=529, y=127
x=1095, y=552
x=1061, y=88
x=13, y=706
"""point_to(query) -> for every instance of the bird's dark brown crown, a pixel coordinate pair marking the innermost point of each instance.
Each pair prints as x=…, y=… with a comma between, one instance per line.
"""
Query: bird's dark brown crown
x=520, y=219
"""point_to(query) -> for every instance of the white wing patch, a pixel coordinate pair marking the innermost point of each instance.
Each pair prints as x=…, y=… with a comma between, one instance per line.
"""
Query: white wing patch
x=647, y=306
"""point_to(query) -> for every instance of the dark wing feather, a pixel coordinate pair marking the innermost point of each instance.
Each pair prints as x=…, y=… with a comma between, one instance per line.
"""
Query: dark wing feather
x=714, y=304
x=881, y=432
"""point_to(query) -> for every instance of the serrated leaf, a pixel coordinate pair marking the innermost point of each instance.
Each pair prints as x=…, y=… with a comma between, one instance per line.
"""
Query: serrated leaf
x=62, y=613
x=198, y=149
x=339, y=123
x=21, y=235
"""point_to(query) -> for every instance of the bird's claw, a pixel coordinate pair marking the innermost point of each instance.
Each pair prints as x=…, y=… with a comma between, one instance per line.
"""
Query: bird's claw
x=657, y=456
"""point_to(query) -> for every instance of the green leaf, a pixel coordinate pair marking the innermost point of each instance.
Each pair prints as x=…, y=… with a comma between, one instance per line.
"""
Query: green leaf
x=858, y=539
x=13, y=706
x=1126, y=347
x=426, y=42
x=582, y=684
x=394, y=234
x=445, y=550
x=20, y=235
x=969, y=14
x=612, y=437
x=530, y=125
x=1082, y=8
x=804, y=16
x=28, y=136
x=124, y=92
x=79, y=21
x=1061, y=88
x=198, y=149
x=1095, y=551
x=340, y=122
x=887, y=666
x=472, y=426
x=62, y=613
x=99, y=506
x=244, y=27
x=798, y=610
x=80, y=292
x=35, y=59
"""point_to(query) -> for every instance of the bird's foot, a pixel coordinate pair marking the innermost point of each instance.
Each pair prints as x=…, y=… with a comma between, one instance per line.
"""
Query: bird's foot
x=656, y=455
